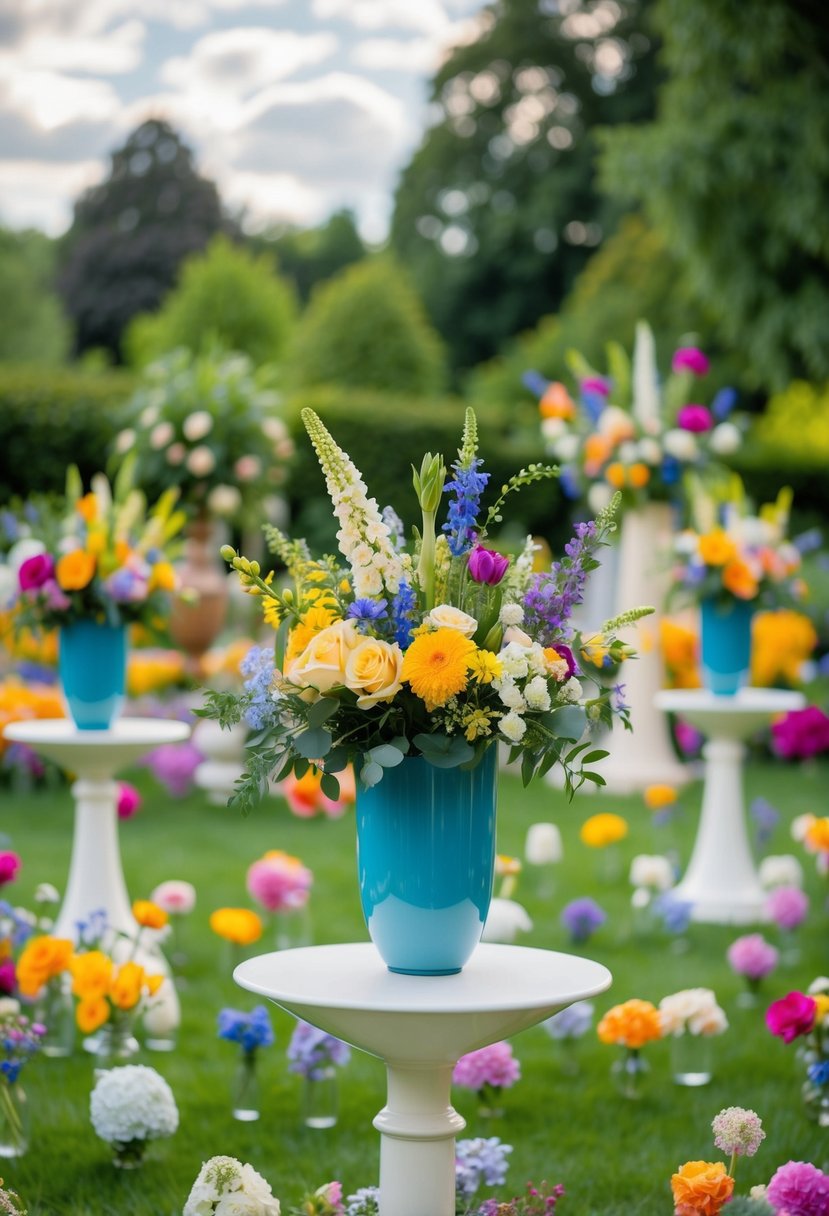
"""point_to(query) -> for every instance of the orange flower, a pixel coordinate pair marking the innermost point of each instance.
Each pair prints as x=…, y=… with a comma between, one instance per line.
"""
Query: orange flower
x=716, y=547
x=149, y=915
x=657, y=796
x=701, y=1188
x=91, y=974
x=91, y=1014
x=631, y=1025
x=556, y=402
x=75, y=570
x=238, y=925
x=127, y=983
x=603, y=829
x=87, y=508
x=596, y=449
x=639, y=475
x=782, y=641
x=739, y=578
x=615, y=475
x=817, y=835
x=153, y=983
x=42, y=959
x=162, y=577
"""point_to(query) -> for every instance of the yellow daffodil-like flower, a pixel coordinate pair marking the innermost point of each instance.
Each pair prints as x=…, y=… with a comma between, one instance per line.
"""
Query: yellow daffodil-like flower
x=436, y=666
x=484, y=666
x=595, y=651
x=75, y=570
x=91, y=974
x=603, y=829
x=821, y=1000
x=659, y=796
x=91, y=1014
x=716, y=547
x=238, y=925
x=149, y=915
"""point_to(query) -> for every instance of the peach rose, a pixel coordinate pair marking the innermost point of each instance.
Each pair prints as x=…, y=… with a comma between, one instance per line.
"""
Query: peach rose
x=373, y=671
x=701, y=1188
x=321, y=665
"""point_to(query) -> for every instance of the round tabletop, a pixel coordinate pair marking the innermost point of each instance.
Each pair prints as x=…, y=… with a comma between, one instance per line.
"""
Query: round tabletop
x=96, y=751
x=734, y=716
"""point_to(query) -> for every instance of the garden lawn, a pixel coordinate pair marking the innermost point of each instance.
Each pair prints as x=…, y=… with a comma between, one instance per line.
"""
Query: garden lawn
x=614, y=1157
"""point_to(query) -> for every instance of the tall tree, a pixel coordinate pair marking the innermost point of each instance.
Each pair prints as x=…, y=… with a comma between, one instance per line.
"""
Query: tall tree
x=735, y=171
x=33, y=327
x=130, y=234
x=498, y=211
x=311, y=255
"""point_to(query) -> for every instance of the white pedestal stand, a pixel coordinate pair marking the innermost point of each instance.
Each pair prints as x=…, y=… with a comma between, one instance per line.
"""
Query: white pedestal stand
x=224, y=763
x=721, y=880
x=96, y=876
x=646, y=756
x=420, y=1026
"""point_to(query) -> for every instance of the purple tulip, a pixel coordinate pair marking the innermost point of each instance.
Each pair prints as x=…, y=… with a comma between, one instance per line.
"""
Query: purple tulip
x=690, y=359
x=487, y=566
x=35, y=571
x=695, y=418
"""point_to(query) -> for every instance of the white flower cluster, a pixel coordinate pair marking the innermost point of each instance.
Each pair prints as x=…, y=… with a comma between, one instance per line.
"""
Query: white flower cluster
x=781, y=870
x=524, y=682
x=225, y=1187
x=652, y=871
x=132, y=1103
x=693, y=1009
x=363, y=536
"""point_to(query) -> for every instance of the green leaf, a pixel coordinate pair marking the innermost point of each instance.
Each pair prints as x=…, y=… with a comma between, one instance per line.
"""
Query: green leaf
x=570, y=721
x=321, y=711
x=596, y=778
x=386, y=755
x=370, y=774
x=527, y=768
x=336, y=760
x=301, y=768
x=330, y=786
x=593, y=756
x=313, y=744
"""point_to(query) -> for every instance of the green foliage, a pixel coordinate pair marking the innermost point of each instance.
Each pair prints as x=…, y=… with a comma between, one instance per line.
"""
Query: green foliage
x=52, y=419
x=366, y=328
x=795, y=426
x=130, y=234
x=735, y=171
x=497, y=212
x=225, y=297
x=33, y=327
x=309, y=256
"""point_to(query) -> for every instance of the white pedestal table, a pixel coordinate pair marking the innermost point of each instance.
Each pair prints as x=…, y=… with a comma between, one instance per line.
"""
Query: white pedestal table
x=96, y=876
x=721, y=880
x=420, y=1026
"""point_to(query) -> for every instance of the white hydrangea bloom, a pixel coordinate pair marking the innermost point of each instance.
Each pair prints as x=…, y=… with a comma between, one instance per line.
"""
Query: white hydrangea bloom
x=513, y=727
x=537, y=694
x=570, y=692
x=225, y=1187
x=132, y=1103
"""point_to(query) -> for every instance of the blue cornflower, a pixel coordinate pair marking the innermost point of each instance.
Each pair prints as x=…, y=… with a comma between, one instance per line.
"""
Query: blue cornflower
x=367, y=610
x=480, y=1160
x=671, y=469
x=466, y=486
x=809, y=541
x=402, y=612
x=311, y=1051
x=258, y=667
x=251, y=1030
x=11, y=1068
x=535, y=382
x=818, y=1073
x=723, y=403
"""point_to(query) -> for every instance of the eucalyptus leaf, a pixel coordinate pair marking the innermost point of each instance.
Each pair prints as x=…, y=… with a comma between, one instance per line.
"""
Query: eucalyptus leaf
x=321, y=711
x=370, y=774
x=330, y=786
x=570, y=721
x=386, y=755
x=313, y=744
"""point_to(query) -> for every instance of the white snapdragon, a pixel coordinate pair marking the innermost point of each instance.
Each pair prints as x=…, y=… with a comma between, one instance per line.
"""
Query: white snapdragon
x=513, y=727
x=511, y=614
x=537, y=694
x=570, y=692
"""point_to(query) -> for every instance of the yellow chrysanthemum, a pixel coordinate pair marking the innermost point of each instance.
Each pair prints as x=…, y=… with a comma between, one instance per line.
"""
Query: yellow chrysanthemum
x=436, y=666
x=484, y=666
x=659, y=796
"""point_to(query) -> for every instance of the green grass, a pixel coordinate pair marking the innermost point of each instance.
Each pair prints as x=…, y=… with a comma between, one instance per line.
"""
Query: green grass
x=614, y=1157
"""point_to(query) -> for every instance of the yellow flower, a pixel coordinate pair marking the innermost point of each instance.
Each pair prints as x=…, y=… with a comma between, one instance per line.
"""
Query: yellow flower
x=782, y=641
x=821, y=1000
x=91, y=974
x=657, y=796
x=506, y=865
x=373, y=671
x=91, y=1014
x=126, y=986
x=603, y=829
x=238, y=925
x=631, y=1024
x=484, y=666
x=149, y=915
x=595, y=651
x=75, y=570
x=614, y=475
x=321, y=665
x=817, y=835
x=162, y=577
x=435, y=665
x=476, y=723
x=639, y=475
x=740, y=579
x=42, y=959
x=87, y=508
x=716, y=547
x=312, y=621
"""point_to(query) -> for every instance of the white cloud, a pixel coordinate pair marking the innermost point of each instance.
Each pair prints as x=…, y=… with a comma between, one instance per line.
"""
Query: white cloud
x=39, y=195
x=52, y=100
x=109, y=54
x=266, y=197
x=418, y=55
x=425, y=16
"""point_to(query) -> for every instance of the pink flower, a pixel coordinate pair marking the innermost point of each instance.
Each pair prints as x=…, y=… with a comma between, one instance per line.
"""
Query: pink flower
x=247, y=468
x=487, y=566
x=129, y=800
x=175, y=896
x=53, y=596
x=279, y=882
x=596, y=384
x=332, y=1194
x=752, y=956
x=787, y=907
x=695, y=418
x=35, y=571
x=690, y=359
x=799, y=1188
x=801, y=734
x=9, y=865
x=494, y=1065
x=791, y=1016
x=7, y=976
x=173, y=764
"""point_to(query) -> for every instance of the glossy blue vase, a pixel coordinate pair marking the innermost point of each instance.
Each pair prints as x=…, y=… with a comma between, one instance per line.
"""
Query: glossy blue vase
x=92, y=663
x=426, y=856
x=726, y=645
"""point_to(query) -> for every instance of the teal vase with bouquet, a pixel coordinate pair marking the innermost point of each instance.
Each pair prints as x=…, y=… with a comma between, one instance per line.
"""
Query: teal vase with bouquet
x=412, y=661
x=101, y=564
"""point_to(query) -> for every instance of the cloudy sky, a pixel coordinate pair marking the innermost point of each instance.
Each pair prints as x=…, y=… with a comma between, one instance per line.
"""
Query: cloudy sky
x=294, y=107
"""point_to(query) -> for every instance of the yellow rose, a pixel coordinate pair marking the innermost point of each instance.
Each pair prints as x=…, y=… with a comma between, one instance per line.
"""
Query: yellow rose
x=321, y=665
x=373, y=670
x=444, y=616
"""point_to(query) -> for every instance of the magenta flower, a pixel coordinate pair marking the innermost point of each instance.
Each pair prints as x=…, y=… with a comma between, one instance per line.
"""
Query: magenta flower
x=564, y=652
x=174, y=764
x=791, y=1016
x=799, y=1188
x=787, y=907
x=9, y=865
x=690, y=359
x=801, y=734
x=7, y=976
x=695, y=418
x=596, y=384
x=487, y=566
x=279, y=882
x=129, y=800
x=752, y=956
x=35, y=571
x=494, y=1065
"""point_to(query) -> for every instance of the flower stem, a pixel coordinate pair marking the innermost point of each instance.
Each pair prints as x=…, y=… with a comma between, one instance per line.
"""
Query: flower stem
x=12, y=1115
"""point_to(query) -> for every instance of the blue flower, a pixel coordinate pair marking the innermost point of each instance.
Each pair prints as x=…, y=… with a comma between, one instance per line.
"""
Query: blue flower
x=818, y=1073
x=251, y=1030
x=402, y=611
x=535, y=382
x=311, y=1051
x=368, y=610
x=467, y=486
x=674, y=913
x=571, y=1023
x=723, y=403
x=258, y=667
x=671, y=469
x=11, y=1068
x=479, y=1160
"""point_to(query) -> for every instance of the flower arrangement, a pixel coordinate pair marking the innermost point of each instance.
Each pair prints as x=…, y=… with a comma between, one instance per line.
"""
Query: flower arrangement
x=111, y=992
x=108, y=560
x=806, y=1015
x=226, y=1187
x=630, y=1026
x=129, y=1106
x=440, y=652
x=210, y=428
x=693, y=1011
x=20, y=1038
x=626, y=432
x=279, y=882
x=487, y=1071
x=581, y=918
x=250, y=1030
x=312, y=1052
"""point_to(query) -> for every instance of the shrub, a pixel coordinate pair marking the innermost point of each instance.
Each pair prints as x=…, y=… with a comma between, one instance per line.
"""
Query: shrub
x=795, y=426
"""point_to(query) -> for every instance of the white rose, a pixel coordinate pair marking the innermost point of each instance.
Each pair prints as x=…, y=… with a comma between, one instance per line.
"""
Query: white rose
x=553, y=428
x=513, y=727
x=655, y=871
x=224, y=500
x=505, y=920
x=201, y=462
x=322, y=663
x=781, y=870
x=680, y=444
x=566, y=448
x=124, y=440
x=9, y=1005
x=197, y=425
x=543, y=845
x=160, y=435
x=444, y=616
x=598, y=496
x=537, y=694
x=725, y=439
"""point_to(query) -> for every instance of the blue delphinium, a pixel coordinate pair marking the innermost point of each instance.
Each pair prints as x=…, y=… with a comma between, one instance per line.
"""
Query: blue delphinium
x=364, y=611
x=258, y=668
x=479, y=1161
x=402, y=611
x=818, y=1073
x=466, y=488
x=312, y=1051
x=251, y=1030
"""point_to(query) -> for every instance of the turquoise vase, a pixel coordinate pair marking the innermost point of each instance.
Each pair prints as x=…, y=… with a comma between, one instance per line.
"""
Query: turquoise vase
x=426, y=855
x=93, y=664
x=726, y=645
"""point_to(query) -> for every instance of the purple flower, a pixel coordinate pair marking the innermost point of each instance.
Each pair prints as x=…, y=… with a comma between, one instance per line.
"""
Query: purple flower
x=173, y=764
x=126, y=586
x=787, y=907
x=487, y=566
x=564, y=652
x=311, y=1051
x=572, y=1022
x=690, y=359
x=551, y=598
x=801, y=734
x=53, y=596
x=765, y=816
x=695, y=418
x=595, y=384
x=466, y=489
x=494, y=1065
x=35, y=571
x=799, y=1188
x=7, y=976
x=675, y=913
x=752, y=956
x=581, y=918
x=477, y=1161
x=367, y=610
x=723, y=403
x=688, y=738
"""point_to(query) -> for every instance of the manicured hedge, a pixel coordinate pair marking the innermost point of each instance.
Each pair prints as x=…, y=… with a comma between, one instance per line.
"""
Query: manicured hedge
x=52, y=418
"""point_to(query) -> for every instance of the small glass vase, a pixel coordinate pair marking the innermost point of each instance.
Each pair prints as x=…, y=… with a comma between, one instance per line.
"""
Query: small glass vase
x=245, y=1089
x=56, y=1011
x=115, y=1043
x=128, y=1154
x=692, y=1059
x=630, y=1073
x=14, y=1119
x=320, y=1099
x=489, y=1102
x=816, y=1100
x=292, y=928
x=749, y=998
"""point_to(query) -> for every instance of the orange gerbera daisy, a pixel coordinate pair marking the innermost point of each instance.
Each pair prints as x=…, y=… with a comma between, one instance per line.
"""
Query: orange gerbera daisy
x=436, y=665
